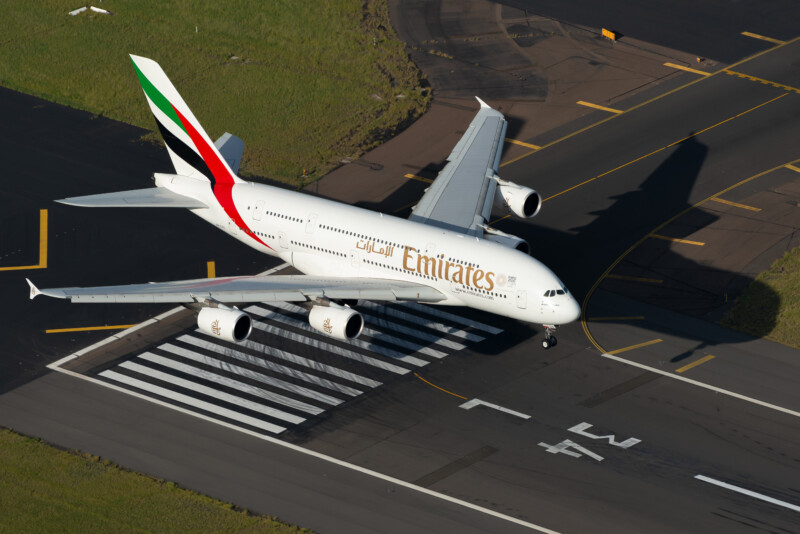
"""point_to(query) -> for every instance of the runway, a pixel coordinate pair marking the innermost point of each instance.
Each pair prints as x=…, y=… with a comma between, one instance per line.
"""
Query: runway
x=647, y=416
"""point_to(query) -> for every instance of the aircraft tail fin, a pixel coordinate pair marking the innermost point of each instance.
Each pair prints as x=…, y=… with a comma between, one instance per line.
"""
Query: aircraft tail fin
x=190, y=149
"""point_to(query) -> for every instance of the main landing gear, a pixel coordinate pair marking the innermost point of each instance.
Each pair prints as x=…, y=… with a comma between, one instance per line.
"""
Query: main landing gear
x=549, y=339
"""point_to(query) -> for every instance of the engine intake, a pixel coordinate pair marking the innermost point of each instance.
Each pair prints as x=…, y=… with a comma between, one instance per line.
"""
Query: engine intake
x=338, y=322
x=226, y=323
x=522, y=201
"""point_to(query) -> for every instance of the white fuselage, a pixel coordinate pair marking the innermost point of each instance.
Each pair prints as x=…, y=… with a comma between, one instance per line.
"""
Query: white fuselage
x=323, y=237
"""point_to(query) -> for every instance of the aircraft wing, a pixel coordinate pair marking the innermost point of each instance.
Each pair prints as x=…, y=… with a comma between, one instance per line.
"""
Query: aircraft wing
x=461, y=197
x=240, y=289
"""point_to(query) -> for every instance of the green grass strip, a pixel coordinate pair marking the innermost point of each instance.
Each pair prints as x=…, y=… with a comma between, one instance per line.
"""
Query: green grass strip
x=770, y=306
x=44, y=489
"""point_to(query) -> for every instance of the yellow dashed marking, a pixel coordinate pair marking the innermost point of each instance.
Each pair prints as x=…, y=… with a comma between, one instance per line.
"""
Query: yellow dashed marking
x=761, y=37
x=522, y=143
x=595, y=106
x=736, y=204
x=676, y=240
x=702, y=360
x=687, y=69
x=640, y=345
x=763, y=81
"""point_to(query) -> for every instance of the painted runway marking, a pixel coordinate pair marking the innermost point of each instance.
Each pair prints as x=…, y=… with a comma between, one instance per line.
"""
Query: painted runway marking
x=581, y=429
x=88, y=328
x=522, y=143
x=701, y=361
x=687, y=69
x=747, y=492
x=677, y=240
x=703, y=385
x=596, y=106
x=640, y=345
x=735, y=204
x=42, y=247
x=477, y=402
x=634, y=278
x=564, y=446
x=762, y=38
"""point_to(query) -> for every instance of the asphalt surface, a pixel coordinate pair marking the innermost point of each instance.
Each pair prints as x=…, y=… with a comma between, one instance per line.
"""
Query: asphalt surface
x=589, y=441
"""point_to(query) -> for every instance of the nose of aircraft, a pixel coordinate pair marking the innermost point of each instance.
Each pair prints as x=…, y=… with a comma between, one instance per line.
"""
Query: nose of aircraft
x=570, y=311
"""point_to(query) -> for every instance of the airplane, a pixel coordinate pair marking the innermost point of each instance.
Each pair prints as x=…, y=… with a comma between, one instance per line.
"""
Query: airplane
x=445, y=253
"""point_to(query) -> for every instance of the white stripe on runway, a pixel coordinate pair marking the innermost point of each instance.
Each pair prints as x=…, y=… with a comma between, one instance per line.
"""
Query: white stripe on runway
x=749, y=493
x=264, y=379
x=211, y=392
x=379, y=310
x=261, y=362
x=437, y=312
x=266, y=327
x=231, y=383
x=303, y=325
x=382, y=324
x=197, y=403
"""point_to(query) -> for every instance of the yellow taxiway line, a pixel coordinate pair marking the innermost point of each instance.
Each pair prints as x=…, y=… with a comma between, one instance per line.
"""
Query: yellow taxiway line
x=634, y=278
x=212, y=269
x=761, y=37
x=629, y=318
x=792, y=167
x=42, y=247
x=420, y=178
x=676, y=240
x=736, y=204
x=687, y=69
x=701, y=361
x=441, y=389
x=596, y=106
x=762, y=80
x=89, y=328
x=640, y=345
x=522, y=143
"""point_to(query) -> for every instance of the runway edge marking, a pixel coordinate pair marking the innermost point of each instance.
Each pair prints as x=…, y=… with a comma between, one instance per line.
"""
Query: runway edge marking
x=703, y=385
x=748, y=492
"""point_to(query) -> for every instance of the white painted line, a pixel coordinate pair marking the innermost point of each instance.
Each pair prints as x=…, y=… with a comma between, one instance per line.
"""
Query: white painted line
x=382, y=325
x=436, y=312
x=229, y=382
x=334, y=349
x=703, y=385
x=196, y=387
x=266, y=364
x=264, y=379
x=749, y=493
x=377, y=349
x=185, y=399
x=396, y=313
x=477, y=402
x=318, y=455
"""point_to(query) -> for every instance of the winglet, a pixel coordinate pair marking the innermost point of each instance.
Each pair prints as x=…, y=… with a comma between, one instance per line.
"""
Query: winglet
x=34, y=290
x=483, y=104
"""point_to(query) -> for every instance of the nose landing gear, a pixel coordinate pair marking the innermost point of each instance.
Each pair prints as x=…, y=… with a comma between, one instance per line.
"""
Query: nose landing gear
x=549, y=339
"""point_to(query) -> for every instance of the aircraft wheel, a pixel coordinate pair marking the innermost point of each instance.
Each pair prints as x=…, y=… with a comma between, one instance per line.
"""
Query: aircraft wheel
x=546, y=343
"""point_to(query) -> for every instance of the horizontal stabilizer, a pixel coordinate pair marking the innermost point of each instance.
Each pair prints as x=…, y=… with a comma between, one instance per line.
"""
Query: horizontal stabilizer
x=152, y=197
x=231, y=148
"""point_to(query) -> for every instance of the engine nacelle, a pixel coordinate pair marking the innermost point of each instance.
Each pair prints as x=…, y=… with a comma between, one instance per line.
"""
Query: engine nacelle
x=338, y=322
x=510, y=241
x=522, y=201
x=226, y=323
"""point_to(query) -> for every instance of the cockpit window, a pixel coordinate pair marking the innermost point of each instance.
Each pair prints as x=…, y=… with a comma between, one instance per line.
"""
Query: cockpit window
x=560, y=292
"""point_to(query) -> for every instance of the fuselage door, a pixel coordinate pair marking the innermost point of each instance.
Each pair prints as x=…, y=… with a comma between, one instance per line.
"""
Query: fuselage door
x=284, y=242
x=522, y=299
x=258, y=210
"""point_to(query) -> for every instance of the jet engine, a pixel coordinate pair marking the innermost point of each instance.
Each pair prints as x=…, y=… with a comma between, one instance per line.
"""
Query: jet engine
x=338, y=322
x=229, y=324
x=522, y=201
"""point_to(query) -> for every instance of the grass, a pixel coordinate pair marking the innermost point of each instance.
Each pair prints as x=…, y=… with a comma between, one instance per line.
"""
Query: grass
x=44, y=489
x=770, y=306
x=305, y=84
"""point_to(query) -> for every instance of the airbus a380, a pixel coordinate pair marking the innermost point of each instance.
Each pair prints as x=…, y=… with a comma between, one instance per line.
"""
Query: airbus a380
x=444, y=254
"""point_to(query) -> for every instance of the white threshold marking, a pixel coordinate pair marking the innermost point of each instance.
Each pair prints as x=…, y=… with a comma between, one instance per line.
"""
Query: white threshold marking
x=334, y=349
x=235, y=400
x=363, y=343
x=394, y=312
x=235, y=384
x=382, y=324
x=704, y=385
x=436, y=312
x=261, y=362
x=747, y=492
x=477, y=402
x=169, y=394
